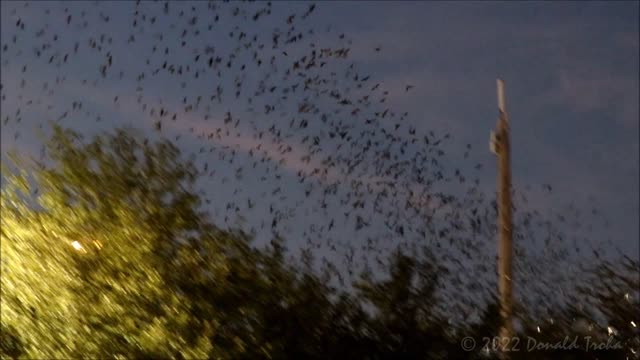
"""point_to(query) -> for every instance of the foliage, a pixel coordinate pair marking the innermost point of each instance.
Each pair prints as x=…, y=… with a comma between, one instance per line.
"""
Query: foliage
x=106, y=255
x=88, y=269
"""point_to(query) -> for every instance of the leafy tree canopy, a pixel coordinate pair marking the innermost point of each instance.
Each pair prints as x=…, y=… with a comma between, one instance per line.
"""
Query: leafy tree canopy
x=106, y=255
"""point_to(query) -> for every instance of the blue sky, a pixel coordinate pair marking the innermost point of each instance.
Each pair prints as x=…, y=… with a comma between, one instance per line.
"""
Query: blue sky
x=571, y=73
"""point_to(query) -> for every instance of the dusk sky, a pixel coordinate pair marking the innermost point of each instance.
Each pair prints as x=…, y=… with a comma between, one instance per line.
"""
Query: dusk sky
x=571, y=73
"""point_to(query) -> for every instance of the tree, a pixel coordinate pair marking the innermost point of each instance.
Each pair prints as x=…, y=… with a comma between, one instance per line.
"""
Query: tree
x=105, y=254
x=87, y=264
x=613, y=294
x=406, y=323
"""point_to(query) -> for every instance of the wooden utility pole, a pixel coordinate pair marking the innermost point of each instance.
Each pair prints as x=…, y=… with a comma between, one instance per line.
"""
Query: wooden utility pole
x=501, y=147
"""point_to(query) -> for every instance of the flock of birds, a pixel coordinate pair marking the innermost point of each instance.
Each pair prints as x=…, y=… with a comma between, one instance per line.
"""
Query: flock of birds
x=264, y=98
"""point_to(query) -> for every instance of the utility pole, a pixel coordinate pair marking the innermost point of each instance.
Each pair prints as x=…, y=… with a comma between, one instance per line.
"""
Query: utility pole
x=500, y=146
